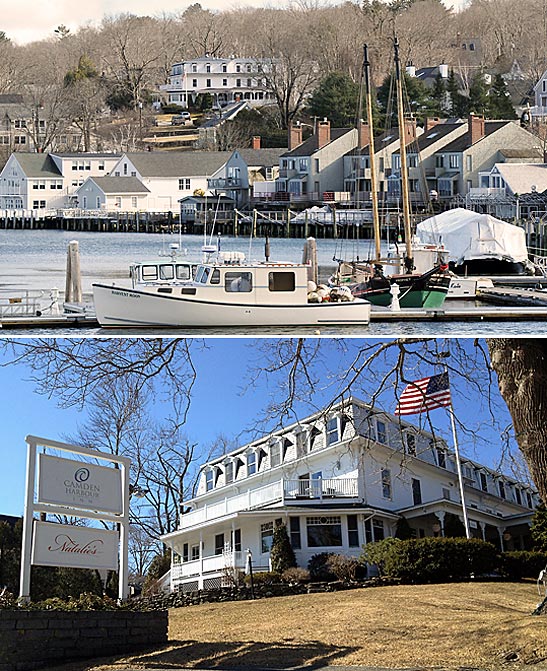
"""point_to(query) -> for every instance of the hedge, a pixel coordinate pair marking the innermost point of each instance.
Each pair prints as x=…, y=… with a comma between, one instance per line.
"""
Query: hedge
x=431, y=560
x=522, y=564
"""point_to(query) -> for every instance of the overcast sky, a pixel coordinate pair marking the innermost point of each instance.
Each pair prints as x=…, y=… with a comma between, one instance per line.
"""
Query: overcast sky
x=29, y=20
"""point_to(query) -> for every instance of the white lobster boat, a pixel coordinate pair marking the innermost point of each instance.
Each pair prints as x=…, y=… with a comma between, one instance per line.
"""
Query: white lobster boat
x=226, y=292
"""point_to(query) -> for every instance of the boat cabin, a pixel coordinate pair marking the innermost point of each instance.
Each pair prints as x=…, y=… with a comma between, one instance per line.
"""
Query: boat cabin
x=162, y=272
x=270, y=283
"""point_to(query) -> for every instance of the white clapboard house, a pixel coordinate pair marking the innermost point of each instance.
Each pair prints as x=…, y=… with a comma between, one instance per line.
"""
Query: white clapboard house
x=338, y=479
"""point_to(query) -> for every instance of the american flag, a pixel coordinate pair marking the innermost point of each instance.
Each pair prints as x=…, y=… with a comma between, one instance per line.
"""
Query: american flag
x=426, y=394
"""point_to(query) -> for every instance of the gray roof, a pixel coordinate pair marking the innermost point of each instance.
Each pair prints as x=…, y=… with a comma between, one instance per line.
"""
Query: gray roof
x=309, y=146
x=464, y=141
x=89, y=154
x=120, y=184
x=11, y=99
x=267, y=157
x=37, y=165
x=178, y=164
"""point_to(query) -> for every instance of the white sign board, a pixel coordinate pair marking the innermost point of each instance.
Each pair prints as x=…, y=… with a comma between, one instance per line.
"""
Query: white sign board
x=76, y=547
x=79, y=484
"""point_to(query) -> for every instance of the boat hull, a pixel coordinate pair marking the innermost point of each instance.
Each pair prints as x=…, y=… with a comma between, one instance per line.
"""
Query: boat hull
x=427, y=291
x=131, y=308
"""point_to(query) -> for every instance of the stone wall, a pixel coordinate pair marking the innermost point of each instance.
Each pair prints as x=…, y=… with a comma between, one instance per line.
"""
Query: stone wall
x=32, y=639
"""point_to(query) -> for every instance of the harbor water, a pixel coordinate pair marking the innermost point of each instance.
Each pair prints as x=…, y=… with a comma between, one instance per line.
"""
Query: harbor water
x=37, y=260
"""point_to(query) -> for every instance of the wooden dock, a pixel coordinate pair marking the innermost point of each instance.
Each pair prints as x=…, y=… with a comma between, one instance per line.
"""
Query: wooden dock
x=515, y=296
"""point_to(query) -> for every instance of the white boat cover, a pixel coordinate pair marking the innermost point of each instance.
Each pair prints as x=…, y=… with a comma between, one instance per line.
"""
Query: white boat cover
x=469, y=235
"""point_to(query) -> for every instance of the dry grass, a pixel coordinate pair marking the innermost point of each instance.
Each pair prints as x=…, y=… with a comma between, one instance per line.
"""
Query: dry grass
x=479, y=625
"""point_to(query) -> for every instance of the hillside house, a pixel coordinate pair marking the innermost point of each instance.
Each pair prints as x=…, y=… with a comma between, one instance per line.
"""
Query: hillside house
x=338, y=479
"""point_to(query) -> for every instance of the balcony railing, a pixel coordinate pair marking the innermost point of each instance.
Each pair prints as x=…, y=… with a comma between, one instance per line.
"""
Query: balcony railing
x=483, y=192
x=225, y=183
x=280, y=491
x=320, y=488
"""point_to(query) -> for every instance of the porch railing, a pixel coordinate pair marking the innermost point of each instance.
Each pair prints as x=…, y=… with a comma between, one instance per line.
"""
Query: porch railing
x=320, y=488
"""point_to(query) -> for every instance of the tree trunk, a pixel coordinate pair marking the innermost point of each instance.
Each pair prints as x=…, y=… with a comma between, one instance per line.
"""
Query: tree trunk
x=521, y=366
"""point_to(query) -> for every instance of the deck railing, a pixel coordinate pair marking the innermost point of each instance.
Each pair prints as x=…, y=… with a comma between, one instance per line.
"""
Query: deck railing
x=320, y=488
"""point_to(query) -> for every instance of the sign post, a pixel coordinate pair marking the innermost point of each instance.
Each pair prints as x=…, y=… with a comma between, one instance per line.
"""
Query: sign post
x=75, y=488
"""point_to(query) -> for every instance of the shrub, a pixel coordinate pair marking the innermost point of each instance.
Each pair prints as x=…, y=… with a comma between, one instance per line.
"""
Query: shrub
x=432, y=559
x=344, y=568
x=295, y=575
x=404, y=530
x=522, y=564
x=281, y=553
x=263, y=578
x=171, y=108
x=318, y=566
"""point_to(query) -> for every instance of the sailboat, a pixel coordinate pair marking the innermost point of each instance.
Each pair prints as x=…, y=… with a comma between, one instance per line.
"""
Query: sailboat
x=422, y=289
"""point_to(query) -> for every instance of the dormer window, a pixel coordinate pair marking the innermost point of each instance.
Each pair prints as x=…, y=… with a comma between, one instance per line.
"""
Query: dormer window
x=209, y=482
x=410, y=443
x=441, y=457
x=251, y=463
x=501, y=487
x=229, y=472
x=333, y=430
x=275, y=453
x=381, y=432
x=301, y=443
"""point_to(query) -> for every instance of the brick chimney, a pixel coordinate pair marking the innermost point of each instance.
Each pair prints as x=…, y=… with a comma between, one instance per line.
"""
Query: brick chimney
x=295, y=135
x=364, y=134
x=410, y=131
x=475, y=125
x=256, y=142
x=430, y=122
x=323, y=133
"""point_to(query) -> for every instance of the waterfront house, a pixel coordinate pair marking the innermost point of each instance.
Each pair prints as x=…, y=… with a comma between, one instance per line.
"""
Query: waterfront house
x=170, y=176
x=226, y=80
x=338, y=479
x=31, y=181
x=538, y=111
x=312, y=171
x=113, y=194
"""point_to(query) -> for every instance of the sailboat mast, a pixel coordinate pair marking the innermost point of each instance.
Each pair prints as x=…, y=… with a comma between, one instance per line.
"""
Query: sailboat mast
x=404, y=170
x=372, y=155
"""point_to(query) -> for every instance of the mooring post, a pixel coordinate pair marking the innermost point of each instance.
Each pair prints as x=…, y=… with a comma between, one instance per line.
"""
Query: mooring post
x=73, y=286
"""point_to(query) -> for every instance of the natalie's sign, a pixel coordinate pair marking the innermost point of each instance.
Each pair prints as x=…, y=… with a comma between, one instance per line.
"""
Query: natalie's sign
x=75, y=547
x=79, y=485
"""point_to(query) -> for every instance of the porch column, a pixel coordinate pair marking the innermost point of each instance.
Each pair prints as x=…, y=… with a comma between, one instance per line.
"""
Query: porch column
x=201, y=549
x=500, y=535
x=441, y=515
x=482, y=527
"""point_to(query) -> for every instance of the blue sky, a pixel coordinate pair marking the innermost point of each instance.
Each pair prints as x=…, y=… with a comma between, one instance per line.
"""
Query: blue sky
x=226, y=402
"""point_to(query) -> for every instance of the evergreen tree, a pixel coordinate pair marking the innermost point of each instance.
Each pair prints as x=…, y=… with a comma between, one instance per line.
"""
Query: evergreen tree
x=538, y=530
x=403, y=531
x=479, y=101
x=281, y=554
x=417, y=99
x=439, y=97
x=457, y=103
x=500, y=106
x=336, y=99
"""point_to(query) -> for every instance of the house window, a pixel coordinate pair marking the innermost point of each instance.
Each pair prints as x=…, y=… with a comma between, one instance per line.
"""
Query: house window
x=219, y=544
x=303, y=165
x=194, y=67
x=84, y=202
x=185, y=552
x=229, y=472
x=208, y=67
x=236, y=540
x=275, y=454
x=416, y=492
x=118, y=202
x=454, y=161
x=501, y=487
x=332, y=431
x=441, y=457
x=194, y=550
x=266, y=537
x=98, y=203
x=134, y=202
x=469, y=163
x=410, y=444
x=317, y=166
x=209, y=480
x=381, y=432
x=184, y=184
x=446, y=494
x=294, y=529
x=324, y=531
x=224, y=67
x=353, y=531
x=20, y=139
x=238, y=82
x=439, y=161
x=374, y=530
x=301, y=444
x=208, y=83
x=194, y=83
x=224, y=82
x=529, y=499
x=249, y=83
x=125, y=168
x=101, y=165
x=386, y=483
x=518, y=496
x=251, y=463
x=483, y=481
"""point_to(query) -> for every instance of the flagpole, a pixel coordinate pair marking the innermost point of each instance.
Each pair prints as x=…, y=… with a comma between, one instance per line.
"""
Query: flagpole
x=458, y=465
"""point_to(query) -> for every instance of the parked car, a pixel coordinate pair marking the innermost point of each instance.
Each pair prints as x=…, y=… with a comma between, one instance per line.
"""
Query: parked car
x=180, y=119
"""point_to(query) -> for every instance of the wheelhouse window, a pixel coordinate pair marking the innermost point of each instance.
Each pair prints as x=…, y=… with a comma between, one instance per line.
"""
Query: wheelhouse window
x=149, y=273
x=324, y=531
x=238, y=281
x=281, y=281
x=183, y=272
x=167, y=272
